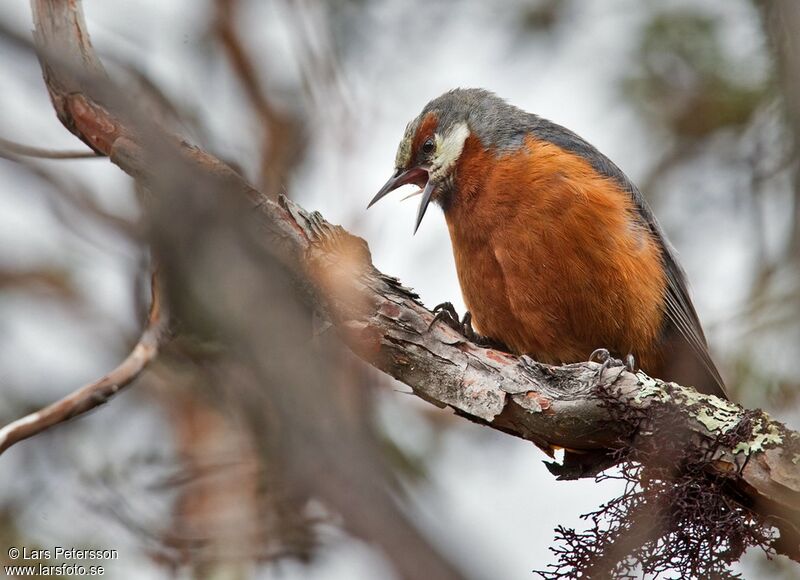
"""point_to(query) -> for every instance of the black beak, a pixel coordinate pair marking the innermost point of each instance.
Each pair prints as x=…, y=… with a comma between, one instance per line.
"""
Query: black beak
x=423, y=203
x=402, y=177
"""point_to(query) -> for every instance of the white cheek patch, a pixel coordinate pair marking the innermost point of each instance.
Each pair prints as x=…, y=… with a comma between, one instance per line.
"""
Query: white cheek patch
x=449, y=148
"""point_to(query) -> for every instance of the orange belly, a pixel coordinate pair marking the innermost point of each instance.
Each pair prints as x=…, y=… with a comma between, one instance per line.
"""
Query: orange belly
x=552, y=257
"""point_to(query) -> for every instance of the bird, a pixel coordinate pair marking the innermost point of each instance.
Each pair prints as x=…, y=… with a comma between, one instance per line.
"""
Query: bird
x=558, y=255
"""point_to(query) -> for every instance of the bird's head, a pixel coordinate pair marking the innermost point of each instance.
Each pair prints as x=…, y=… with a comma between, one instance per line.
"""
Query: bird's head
x=434, y=141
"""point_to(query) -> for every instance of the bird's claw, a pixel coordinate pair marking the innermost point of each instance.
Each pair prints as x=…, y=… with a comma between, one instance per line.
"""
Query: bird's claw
x=602, y=356
x=630, y=363
x=447, y=313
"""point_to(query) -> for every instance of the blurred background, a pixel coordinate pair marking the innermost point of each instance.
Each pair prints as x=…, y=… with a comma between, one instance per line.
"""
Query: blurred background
x=311, y=98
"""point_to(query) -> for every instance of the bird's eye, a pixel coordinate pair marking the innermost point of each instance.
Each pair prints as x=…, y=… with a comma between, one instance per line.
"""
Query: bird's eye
x=428, y=147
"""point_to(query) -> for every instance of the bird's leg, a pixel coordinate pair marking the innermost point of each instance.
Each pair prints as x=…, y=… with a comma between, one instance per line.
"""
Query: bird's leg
x=602, y=356
x=605, y=359
x=446, y=312
x=630, y=363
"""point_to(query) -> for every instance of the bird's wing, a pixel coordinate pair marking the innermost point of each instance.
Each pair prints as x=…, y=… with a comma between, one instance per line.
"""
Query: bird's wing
x=683, y=335
x=683, y=326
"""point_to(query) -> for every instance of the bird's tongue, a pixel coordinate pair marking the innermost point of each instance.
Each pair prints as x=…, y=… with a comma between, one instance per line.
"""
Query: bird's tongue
x=418, y=176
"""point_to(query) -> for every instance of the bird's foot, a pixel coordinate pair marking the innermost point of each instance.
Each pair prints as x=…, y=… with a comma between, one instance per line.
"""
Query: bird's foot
x=602, y=356
x=446, y=313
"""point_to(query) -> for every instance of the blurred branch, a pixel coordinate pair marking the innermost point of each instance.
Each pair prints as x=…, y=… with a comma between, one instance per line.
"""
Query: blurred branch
x=282, y=143
x=380, y=320
x=53, y=279
x=28, y=151
x=226, y=282
x=782, y=19
x=100, y=391
x=76, y=196
x=319, y=61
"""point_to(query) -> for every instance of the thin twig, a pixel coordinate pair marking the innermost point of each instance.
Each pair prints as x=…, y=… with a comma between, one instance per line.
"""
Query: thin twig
x=98, y=392
x=7, y=146
x=76, y=196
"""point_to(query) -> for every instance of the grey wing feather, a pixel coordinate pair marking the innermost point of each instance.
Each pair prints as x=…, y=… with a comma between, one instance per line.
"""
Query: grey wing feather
x=681, y=316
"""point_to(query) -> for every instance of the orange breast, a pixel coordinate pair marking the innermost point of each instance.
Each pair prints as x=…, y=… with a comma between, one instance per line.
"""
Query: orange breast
x=552, y=257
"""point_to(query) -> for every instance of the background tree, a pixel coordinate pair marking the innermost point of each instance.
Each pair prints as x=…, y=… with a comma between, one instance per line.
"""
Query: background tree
x=724, y=137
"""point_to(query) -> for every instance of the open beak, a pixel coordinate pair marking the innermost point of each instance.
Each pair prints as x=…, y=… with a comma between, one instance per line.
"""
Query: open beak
x=416, y=175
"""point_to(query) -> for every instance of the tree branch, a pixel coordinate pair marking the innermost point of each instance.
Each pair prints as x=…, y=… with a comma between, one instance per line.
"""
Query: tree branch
x=14, y=148
x=386, y=325
x=100, y=391
x=282, y=141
